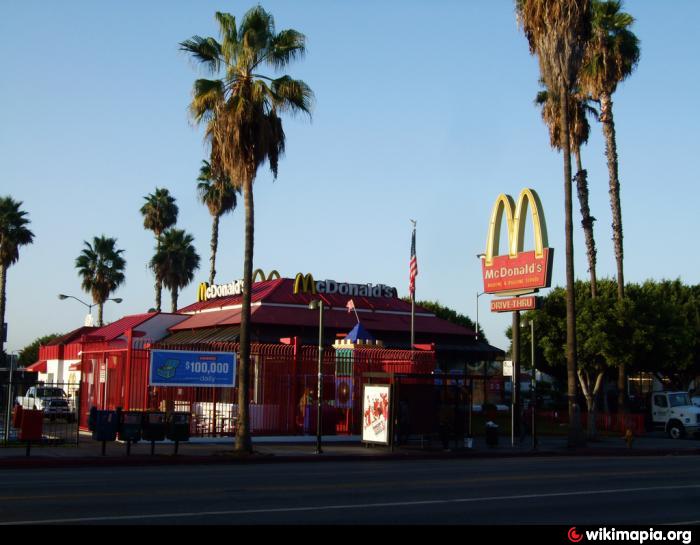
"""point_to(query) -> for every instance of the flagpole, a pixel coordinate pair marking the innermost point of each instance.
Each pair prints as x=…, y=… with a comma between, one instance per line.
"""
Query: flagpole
x=413, y=298
x=356, y=316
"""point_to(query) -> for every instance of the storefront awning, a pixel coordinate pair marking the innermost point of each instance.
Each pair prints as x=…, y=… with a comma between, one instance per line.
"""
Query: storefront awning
x=37, y=367
x=75, y=366
x=206, y=335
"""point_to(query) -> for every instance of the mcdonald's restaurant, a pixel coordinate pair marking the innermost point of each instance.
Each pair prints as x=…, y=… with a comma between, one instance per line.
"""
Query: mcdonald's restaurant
x=172, y=362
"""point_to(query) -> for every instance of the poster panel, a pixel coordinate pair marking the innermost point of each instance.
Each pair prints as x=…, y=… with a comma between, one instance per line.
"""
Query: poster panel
x=376, y=404
x=183, y=368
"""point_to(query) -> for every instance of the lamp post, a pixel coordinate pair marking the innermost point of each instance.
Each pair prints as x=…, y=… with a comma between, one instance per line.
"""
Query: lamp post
x=318, y=304
x=61, y=296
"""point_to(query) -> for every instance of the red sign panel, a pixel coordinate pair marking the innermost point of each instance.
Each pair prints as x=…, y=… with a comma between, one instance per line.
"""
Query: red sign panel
x=515, y=303
x=526, y=271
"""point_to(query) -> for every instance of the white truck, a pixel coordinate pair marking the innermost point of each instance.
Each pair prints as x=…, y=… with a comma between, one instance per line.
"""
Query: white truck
x=674, y=413
x=53, y=401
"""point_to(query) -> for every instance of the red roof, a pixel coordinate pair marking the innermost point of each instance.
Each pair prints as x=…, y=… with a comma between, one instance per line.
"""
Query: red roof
x=72, y=336
x=274, y=303
x=121, y=326
x=37, y=367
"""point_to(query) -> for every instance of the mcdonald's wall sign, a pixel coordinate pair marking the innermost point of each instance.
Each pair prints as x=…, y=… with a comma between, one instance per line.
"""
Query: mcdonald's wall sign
x=517, y=272
x=206, y=292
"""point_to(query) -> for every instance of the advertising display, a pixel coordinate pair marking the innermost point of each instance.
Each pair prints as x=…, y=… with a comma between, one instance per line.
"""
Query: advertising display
x=180, y=368
x=376, y=409
x=517, y=272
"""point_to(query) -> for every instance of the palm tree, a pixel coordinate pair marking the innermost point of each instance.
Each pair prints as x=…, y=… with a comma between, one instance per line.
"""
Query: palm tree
x=13, y=234
x=219, y=195
x=557, y=31
x=159, y=213
x=175, y=261
x=579, y=131
x=241, y=114
x=101, y=267
x=611, y=55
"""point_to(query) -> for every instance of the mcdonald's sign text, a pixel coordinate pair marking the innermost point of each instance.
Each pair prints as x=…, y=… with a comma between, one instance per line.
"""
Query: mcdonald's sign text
x=513, y=304
x=517, y=271
x=526, y=271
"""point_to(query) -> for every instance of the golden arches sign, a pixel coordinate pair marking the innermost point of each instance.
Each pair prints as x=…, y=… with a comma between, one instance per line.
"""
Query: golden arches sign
x=515, y=219
x=259, y=272
x=517, y=272
x=304, y=283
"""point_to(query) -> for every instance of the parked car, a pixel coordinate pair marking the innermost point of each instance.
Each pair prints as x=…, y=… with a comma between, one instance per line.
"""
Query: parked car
x=52, y=400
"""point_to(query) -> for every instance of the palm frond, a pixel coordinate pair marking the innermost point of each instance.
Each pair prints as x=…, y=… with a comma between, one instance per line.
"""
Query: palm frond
x=292, y=95
x=206, y=50
x=287, y=46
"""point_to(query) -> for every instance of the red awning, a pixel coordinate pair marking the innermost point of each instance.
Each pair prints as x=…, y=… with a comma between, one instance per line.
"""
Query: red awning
x=37, y=367
x=75, y=366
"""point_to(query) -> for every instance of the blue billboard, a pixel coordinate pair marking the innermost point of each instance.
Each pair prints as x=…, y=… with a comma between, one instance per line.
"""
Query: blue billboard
x=180, y=368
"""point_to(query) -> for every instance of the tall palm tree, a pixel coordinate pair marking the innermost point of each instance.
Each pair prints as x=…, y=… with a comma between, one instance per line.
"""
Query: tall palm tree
x=241, y=114
x=557, y=31
x=175, y=261
x=159, y=213
x=219, y=196
x=580, y=130
x=101, y=267
x=13, y=234
x=611, y=55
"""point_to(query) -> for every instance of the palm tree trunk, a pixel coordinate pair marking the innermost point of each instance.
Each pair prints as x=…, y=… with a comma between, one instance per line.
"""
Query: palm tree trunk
x=100, y=307
x=159, y=283
x=173, y=300
x=586, y=219
x=574, y=422
x=214, y=245
x=243, y=442
x=3, y=286
x=606, y=118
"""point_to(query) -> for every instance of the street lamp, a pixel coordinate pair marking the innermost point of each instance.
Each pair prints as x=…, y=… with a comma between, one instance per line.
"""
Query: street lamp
x=478, y=256
x=61, y=296
x=318, y=304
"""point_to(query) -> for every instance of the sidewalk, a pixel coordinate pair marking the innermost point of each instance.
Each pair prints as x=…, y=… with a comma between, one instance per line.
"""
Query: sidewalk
x=335, y=448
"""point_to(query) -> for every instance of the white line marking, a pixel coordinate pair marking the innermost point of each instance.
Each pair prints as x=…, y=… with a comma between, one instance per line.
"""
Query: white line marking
x=350, y=506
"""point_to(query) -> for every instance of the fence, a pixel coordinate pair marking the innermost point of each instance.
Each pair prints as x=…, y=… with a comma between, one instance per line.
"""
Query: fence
x=283, y=382
x=58, y=401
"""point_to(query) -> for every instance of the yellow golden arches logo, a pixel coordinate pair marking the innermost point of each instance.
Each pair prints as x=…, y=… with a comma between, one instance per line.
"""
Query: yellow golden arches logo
x=304, y=283
x=202, y=292
x=515, y=219
x=259, y=272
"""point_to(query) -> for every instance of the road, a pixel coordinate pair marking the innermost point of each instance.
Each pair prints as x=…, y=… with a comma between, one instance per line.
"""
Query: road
x=560, y=490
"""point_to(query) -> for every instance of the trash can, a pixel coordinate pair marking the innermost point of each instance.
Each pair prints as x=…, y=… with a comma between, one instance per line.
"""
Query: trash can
x=491, y=433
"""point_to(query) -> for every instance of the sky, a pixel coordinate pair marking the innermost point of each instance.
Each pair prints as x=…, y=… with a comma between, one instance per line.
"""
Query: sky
x=423, y=110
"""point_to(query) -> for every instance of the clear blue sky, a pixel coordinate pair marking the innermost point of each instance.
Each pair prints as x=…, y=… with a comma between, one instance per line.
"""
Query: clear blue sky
x=424, y=110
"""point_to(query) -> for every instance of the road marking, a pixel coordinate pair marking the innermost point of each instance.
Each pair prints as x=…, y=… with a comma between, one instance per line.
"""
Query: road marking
x=362, y=506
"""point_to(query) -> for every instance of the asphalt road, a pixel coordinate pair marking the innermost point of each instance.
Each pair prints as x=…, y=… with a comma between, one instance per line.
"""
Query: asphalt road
x=581, y=490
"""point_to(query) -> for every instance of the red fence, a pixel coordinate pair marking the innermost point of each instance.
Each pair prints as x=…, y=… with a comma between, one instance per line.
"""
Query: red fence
x=604, y=421
x=283, y=383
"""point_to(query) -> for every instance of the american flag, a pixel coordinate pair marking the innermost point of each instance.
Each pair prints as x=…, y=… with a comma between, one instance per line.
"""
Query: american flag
x=413, y=265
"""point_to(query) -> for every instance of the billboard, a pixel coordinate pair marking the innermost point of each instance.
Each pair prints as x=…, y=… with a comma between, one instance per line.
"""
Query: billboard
x=182, y=368
x=376, y=404
x=517, y=272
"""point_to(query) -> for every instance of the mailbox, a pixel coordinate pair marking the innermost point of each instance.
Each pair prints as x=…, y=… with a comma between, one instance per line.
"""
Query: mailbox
x=130, y=426
x=179, y=426
x=106, y=425
x=31, y=425
x=153, y=426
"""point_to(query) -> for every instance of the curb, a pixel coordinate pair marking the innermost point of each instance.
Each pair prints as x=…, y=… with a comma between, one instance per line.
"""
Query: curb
x=262, y=458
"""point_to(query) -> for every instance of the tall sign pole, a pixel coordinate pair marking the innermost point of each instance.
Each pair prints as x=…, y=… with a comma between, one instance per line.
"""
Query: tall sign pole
x=517, y=273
